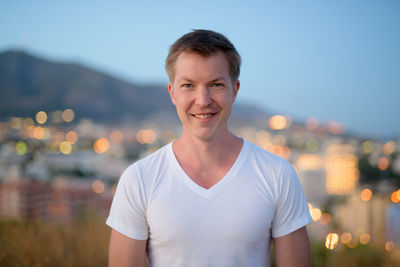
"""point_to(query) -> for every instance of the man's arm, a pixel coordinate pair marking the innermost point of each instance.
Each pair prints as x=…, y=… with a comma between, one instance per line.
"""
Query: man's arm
x=125, y=251
x=293, y=249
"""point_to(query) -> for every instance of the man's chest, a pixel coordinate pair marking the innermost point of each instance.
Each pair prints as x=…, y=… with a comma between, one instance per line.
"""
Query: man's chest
x=240, y=213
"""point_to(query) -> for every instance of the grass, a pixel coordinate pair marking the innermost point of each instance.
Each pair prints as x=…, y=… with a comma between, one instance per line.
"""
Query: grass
x=84, y=242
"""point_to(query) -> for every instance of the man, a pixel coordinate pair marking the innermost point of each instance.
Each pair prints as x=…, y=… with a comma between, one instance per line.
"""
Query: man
x=210, y=198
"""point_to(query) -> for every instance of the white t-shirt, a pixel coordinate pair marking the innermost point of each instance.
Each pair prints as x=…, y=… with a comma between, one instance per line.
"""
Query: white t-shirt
x=230, y=224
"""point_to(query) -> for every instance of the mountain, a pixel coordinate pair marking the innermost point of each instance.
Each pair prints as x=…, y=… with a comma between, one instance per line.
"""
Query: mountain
x=29, y=84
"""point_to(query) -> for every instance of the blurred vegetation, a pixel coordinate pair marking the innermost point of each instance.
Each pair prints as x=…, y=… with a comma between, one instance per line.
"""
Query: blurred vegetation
x=84, y=242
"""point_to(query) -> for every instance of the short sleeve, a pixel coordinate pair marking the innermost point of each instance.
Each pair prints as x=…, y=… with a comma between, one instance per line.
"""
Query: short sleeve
x=128, y=209
x=292, y=210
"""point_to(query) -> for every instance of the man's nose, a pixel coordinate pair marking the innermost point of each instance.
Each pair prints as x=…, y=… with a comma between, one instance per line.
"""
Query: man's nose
x=203, y=97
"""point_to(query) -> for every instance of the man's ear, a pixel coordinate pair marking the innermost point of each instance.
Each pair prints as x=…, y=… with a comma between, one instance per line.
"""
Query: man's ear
x=171, y=92
x=235, y=89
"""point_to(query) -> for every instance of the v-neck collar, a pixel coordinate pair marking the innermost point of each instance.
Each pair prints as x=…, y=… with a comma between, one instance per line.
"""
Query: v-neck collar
x=212, y=191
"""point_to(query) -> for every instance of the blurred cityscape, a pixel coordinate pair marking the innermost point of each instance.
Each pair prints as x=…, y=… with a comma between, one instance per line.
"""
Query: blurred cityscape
x=53, y=168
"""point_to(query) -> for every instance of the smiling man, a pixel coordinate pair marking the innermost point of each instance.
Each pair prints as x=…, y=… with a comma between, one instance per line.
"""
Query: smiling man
x=209, y=198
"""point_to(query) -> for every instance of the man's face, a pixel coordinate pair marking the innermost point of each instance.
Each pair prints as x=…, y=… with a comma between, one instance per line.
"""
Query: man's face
x=203, y=94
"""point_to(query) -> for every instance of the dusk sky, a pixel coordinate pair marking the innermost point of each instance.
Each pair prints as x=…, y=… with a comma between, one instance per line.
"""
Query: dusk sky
x=335, y=60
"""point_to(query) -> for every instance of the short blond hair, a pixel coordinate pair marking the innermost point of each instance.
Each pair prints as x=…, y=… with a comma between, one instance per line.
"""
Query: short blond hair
x=204, y=43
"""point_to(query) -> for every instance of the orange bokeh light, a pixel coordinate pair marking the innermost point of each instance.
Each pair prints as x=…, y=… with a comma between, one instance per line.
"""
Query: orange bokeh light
x=345, y=237
x=366, y=194
x=38, y=132
x=146, y=136
x=116, y=137
x=365, y=238
x=98, y=186
x=395, y=196
x=325, y=219
x=383, y=163
x=389, y=148
x=101, y=145
x=71, y=137
x=334, y=127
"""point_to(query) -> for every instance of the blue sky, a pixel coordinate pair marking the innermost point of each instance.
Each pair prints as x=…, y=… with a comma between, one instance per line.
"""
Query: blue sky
x=335, y=60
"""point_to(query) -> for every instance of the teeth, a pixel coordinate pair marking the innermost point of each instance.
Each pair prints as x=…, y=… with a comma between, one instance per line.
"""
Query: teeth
x=203, y=116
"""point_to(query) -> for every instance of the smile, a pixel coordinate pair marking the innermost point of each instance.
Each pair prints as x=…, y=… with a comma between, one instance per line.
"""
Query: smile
x=203, y=116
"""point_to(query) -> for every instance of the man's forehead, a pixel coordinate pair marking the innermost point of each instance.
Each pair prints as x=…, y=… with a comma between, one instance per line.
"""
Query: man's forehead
x=188, y=79
x=189, y=65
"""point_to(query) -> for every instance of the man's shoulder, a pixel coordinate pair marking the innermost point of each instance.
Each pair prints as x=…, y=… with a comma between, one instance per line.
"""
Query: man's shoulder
x=155, y=157
x=148, y=164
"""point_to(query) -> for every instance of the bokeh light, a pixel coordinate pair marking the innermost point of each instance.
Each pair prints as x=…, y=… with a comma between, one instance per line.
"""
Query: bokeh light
x=146, y=136
x=383, y=163
x=389, y=148
x=116, y=137
x=41, y=117
x=366, y=194
x=331, y=240
x=68, y=115
x=98, y=186
x=38, y=132
x=353, y=243
x=325, y=218
x=390, y=246
x=345, y=237
x=335, y=127
x=101, y=145
x=65, y=147
x=395, y=196
x=368, y=146
x=21, y=148
x=365, y=238
x=278, y=122
x=71, y=137
x=315, y=214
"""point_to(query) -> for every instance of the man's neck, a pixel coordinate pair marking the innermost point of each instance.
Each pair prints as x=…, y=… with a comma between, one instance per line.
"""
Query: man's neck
x=207, y=162
x=208, y=152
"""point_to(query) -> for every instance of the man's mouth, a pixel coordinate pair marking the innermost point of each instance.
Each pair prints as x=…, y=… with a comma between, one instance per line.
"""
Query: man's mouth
x=203, y=116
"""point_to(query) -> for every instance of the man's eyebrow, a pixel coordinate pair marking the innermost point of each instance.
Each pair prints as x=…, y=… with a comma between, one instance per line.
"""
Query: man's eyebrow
x=218, y=79
x=191, y=81
x=185, y=79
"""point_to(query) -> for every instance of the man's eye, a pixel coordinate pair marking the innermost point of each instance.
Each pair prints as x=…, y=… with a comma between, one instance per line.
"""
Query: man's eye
x=218, y=85
x=186, y=85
